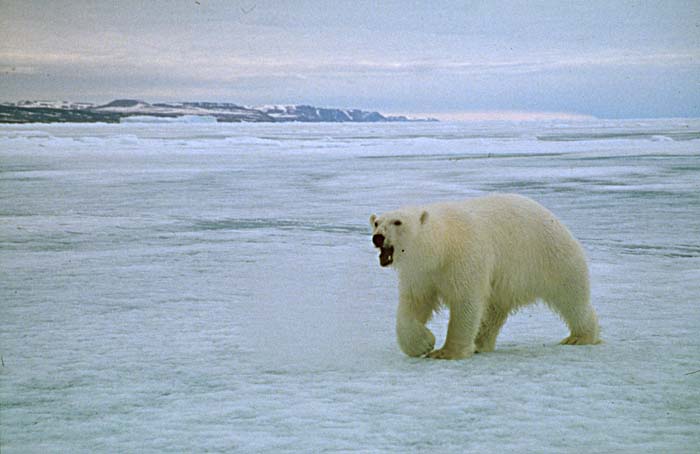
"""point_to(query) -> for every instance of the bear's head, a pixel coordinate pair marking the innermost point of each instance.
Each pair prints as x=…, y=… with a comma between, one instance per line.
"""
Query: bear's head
x=394, y=233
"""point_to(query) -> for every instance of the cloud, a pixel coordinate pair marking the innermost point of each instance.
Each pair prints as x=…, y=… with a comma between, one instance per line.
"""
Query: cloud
x=224, y=68
x=520, y=65
x=506, y=115
x=377, y=55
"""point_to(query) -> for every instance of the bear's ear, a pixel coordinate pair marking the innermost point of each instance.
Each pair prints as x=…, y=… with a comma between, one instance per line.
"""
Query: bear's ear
x=372, y=219
x=423, y=217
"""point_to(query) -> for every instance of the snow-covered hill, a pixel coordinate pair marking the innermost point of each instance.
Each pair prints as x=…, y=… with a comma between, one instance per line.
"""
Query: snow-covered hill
x=52, y=105
x=224, y=112
x=316, y=114
x=115, y=111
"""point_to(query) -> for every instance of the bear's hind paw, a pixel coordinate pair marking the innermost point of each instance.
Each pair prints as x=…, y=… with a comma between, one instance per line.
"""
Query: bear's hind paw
x=580, y=340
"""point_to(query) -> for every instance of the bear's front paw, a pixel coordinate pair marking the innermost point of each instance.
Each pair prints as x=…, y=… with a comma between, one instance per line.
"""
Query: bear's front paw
x=448, y=353
x=420, y=343
x=414, y=338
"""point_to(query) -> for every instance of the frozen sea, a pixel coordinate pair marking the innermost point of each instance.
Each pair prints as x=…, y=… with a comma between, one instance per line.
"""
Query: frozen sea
x=203, y=287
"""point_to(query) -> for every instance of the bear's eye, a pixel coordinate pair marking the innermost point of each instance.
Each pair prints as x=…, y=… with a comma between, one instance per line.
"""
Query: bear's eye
x=397, y=222
x=376, y=224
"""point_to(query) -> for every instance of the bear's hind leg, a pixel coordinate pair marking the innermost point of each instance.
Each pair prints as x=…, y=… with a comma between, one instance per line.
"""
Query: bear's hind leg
x=581, y=319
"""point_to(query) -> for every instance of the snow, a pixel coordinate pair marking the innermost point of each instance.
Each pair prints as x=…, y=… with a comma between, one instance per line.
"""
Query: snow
x=51, y=104
x=213, y=287
x=206, y=110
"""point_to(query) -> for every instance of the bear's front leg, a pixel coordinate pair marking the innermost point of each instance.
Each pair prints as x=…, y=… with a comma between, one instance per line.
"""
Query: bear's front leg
x=413, y=337
x=461, y=332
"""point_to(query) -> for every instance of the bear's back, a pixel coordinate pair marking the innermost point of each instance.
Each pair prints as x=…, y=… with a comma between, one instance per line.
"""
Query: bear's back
x=517, y=232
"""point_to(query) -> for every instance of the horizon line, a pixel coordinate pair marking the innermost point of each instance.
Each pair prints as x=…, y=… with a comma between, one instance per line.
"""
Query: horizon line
x=505, y=115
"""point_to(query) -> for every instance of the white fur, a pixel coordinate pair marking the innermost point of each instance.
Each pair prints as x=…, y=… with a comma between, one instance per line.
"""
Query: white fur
x=483, y=258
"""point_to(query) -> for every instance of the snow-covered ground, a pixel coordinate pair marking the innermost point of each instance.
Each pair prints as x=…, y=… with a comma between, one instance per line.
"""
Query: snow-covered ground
x=212, y=287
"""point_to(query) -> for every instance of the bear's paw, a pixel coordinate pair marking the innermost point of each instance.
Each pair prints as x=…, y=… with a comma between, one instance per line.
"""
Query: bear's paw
x=447, y=353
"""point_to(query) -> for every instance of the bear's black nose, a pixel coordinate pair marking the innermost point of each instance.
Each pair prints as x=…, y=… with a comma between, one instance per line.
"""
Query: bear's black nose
x=378, y=240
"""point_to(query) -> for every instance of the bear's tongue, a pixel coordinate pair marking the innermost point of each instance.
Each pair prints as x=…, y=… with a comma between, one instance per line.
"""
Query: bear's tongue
x=386, y=256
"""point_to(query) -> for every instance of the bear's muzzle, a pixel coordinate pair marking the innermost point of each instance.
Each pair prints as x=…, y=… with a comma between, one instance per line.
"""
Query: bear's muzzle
x=378, y=240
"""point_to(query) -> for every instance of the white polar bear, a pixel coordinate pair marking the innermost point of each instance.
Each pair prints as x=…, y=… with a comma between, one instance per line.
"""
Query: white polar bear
x=483, y=258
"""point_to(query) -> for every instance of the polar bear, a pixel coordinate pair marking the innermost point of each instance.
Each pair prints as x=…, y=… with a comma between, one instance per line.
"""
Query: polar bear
x=483, y=258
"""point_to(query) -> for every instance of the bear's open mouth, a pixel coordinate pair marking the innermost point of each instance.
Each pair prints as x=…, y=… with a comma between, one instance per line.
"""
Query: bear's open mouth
x=386, y=256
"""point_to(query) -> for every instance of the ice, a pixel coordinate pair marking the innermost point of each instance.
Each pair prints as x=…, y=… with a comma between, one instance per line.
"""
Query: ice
x=179, y=119
x=213, y=287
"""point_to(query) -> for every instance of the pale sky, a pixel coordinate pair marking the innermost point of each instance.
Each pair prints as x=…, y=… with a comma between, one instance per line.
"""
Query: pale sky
x=607, y=59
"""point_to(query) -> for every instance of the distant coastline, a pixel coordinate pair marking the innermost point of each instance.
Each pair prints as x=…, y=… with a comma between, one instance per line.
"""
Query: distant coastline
x=120, y=109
